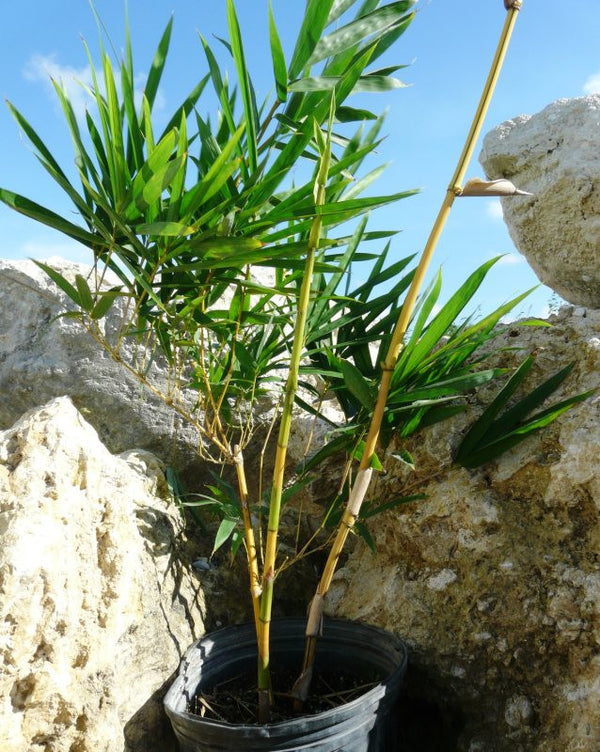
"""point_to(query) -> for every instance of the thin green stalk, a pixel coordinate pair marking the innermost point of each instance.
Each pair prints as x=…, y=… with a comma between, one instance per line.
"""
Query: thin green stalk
x=266, y=601
x=363, y=477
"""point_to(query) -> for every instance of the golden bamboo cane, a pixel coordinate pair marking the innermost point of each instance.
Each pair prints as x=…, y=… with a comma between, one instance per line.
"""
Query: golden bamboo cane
x=363, y=476
x=249, y=540
x=266, y=599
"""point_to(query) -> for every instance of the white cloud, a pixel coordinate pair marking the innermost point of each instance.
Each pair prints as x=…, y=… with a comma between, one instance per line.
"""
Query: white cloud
x=76, y=81
x=493, y=209
x=44, y=68
x=592, y=85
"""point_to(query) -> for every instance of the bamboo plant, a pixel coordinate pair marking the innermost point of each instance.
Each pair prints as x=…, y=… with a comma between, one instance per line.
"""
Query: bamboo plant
x=179, y=221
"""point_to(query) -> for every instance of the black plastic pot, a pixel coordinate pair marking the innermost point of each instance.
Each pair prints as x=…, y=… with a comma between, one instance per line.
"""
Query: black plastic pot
x=366, y=724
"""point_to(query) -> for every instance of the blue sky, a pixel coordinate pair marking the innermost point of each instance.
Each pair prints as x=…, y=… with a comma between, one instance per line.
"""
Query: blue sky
x=554, y=54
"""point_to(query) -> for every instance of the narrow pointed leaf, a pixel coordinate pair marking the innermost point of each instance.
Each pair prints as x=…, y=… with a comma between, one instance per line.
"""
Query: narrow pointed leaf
x=237, y=48
x=279, y=66
x=225, y=530
x=104, y=303
x=45, y=216
x=315, y=18
x=357, y=384
x=59, y=280
x=476, y=434
x=358, y=30
x=85, y=294
x=158, y=65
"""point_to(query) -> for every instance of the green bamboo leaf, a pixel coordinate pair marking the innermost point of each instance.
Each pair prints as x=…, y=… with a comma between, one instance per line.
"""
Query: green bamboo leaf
x=178, y=185
x=356, y=188
x=217, y=250
x=116, y=152
x=135, y=151
x=219, y=172
x=338, y=8
x=391, y=36
x=476, y=434
x=104, y=303
x=405, y=458
x=426, y=306
x=147, y=125
x=85, y=294
x=358, y=453
x=148, y=192
x=376, y=84
x=315, y=18
x=237, y=48
x=372, y=510
x=63, y=283
x=358, y=386
x=524, y=406
x=279, y=66
x=221, y=91
x=345, y=114
x=358, y=30
x=365, y=534
x=45, y=216
x=412, y=357
x=495, y=448
x=156, y=164
x=46, y=158
x=165, y=229
x=158, y=65
x=224, y=532
x=314, y=83
x=453, y=387
x=99, y=152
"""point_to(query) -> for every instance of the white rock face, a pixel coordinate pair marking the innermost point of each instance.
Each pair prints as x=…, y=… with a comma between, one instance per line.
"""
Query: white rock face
x=555, y=155
x=43, y=357
x=95, y=609
x=494, y=579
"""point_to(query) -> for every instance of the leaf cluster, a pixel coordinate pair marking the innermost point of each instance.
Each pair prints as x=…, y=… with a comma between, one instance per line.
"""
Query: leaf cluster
x=178, y=221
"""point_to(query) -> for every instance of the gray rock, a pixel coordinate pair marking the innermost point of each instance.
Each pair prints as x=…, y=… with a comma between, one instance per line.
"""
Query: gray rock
x=42, y=357
x=95, y=607
x=554, y=155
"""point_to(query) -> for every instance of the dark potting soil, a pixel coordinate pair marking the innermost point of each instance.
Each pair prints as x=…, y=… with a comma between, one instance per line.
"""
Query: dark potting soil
x=235, y=700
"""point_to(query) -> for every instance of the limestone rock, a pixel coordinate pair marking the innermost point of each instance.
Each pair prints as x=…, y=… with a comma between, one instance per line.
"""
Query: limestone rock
x=494, y=579
x=554, y=155
x=95, y=609
x=43, y=357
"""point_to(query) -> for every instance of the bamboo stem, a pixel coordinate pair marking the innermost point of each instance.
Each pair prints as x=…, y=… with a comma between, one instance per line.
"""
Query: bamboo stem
x=363, y=478
x=266, y=599
x=249, y=539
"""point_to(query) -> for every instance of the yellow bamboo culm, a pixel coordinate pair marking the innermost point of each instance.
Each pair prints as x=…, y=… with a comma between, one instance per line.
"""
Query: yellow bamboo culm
x=249, y=539
x=266, y=598
x=361, y=483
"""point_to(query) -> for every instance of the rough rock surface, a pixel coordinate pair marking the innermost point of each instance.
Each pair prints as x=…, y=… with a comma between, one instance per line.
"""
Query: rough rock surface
x=95, y=609
x=555, y=155
x=42, y=357
x=494, y=579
